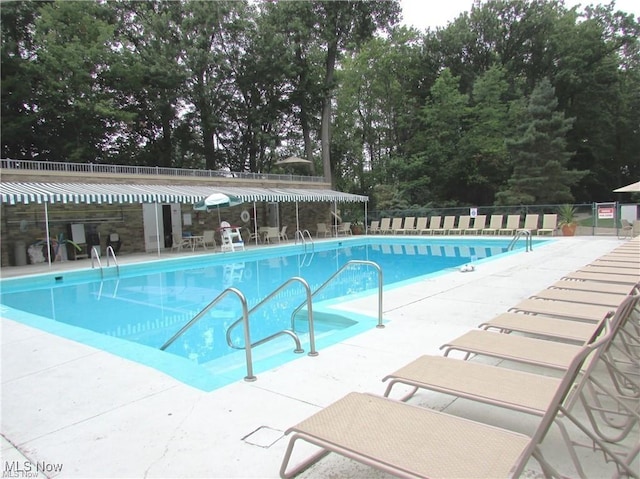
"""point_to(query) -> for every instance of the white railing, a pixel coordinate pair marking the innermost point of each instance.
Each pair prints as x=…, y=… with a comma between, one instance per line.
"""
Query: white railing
x=64, y=167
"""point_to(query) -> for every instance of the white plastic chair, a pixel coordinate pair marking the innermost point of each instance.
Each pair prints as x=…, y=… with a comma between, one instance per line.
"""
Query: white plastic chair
x=344, y=229
x=208, y=239
x=272, y=235
x=179, y=242
x=321, y=229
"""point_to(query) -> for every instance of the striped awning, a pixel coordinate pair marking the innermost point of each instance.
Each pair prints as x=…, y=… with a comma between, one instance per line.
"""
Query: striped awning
x=13, y=193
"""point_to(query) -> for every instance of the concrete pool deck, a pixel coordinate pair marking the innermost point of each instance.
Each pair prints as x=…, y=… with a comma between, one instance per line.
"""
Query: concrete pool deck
x=79, y=412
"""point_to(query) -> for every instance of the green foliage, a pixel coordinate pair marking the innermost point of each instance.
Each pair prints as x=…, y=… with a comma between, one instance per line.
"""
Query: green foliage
x=435, y=149
x=566, y=215
x=446, y=116
x=539, y=154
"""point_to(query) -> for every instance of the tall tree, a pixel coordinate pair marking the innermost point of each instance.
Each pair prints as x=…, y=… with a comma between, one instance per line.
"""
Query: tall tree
x=150, y=77
x=18, y=107
x=539, y=154
x=432, y=172
x=513, y=33
x=482, y=166
x=344, y=25
x=597, y=55
x=208, y=92
x=76, y=114
x=294, y=25
x=375, y=108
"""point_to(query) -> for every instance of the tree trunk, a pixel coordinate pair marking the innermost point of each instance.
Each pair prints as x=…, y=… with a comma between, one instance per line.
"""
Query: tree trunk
x=306, y=135
x=325, y=130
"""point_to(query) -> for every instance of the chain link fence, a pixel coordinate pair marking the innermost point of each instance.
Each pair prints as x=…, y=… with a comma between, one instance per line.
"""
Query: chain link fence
x=593, y=219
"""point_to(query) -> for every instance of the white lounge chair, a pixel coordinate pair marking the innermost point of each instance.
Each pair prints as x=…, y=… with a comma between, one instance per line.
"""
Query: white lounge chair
x=447, y=225
x=409, y=225
x=513, y=223
x=411, y=441
x=626, y=229
x=434, y=224
x=421, y=225
x=179, y=243
x=549, y=224
x=385, y=225
x=531, y=222
x=495, y=223
x=396, y=225
x=478, y=225
x=463, y=225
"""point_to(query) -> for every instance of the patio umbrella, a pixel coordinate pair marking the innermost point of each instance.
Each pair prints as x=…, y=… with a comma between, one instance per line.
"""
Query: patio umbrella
x=217, y=201
x=292, y=160
x=632, y=188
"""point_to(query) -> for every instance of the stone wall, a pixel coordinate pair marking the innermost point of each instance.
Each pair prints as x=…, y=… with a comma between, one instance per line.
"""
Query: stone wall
x=25, y=224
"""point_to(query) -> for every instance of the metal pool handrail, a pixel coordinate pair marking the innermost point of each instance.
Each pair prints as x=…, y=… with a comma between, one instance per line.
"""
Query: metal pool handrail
x=245, y=320
x=333, y=276
x=528, y=241
x=96, y=255
x=289, y=332
x=301, y=235
x=115, y=260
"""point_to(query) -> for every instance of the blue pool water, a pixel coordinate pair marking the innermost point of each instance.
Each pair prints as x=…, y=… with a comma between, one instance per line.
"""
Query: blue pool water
x=134, y=311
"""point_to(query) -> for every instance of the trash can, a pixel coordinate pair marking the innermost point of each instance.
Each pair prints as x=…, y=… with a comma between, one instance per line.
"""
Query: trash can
x=20, y=253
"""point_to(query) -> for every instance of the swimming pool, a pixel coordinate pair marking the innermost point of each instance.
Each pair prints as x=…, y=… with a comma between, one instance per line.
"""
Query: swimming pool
x=134, y=311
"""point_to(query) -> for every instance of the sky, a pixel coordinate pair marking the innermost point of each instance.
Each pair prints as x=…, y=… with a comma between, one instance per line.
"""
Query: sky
x=423, y=14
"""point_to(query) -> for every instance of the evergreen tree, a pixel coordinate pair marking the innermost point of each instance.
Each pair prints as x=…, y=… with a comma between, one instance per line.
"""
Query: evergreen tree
x=539, y=154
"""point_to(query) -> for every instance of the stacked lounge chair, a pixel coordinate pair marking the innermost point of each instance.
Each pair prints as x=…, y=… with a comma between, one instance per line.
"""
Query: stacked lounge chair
x=587, y=360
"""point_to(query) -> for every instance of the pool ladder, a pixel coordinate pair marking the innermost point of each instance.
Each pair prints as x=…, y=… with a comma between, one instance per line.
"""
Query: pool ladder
x=245, y=322
x=345, y=266
x=289, y=332
x=528, y=241
x=95, y=255
x=303, y=235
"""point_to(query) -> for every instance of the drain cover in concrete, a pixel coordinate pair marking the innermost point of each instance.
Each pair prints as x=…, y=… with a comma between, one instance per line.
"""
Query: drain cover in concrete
x=264, y=436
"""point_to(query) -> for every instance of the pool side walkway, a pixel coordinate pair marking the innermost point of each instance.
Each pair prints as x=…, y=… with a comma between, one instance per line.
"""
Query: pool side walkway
x=78, y=412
